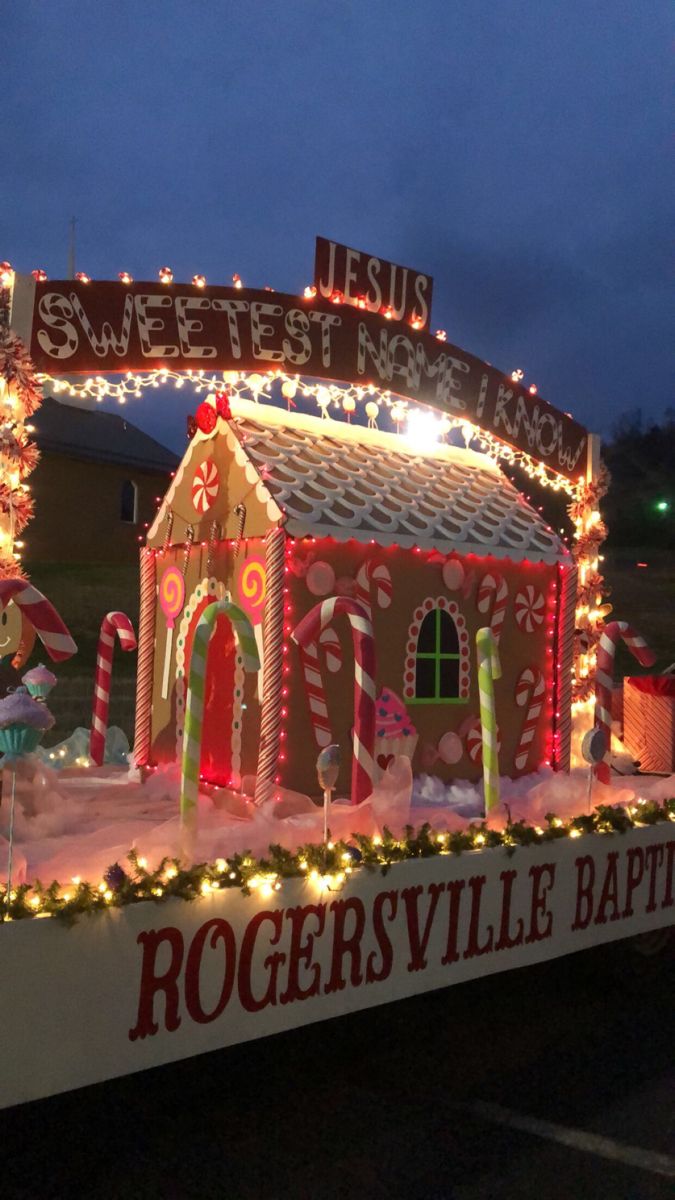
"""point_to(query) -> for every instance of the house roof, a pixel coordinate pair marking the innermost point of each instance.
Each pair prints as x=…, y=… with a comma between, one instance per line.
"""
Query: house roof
x=97, y=436
x=328, y=478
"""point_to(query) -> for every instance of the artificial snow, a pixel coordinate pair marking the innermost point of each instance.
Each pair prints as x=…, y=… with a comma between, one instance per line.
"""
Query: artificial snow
x=77, y=821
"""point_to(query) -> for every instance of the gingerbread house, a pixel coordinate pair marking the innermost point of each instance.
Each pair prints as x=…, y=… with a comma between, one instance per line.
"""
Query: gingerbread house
x=280, y=512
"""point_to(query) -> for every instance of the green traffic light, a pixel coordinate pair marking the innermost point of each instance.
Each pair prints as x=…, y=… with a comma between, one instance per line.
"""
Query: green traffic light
x=662, y=505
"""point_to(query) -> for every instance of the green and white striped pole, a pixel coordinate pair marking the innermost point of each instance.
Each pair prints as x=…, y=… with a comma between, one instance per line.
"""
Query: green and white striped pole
x=489, y=669
x=194, y=708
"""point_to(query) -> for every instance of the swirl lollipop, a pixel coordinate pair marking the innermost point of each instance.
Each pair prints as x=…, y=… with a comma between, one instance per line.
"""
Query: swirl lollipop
x=171, y=599
x=252, y=588
x=252, y=591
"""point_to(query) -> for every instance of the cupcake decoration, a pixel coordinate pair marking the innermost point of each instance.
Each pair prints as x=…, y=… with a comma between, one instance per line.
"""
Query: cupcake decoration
x=39, y=681
x=23, y=721
x=394, y=731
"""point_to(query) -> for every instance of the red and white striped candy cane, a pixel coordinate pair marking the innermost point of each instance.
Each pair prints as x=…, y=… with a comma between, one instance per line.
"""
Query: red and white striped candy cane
x=530, y=690
x=529, y=608
x=329, y=642
x=113, y=623
x=373, y=581
x=604, y=680
x=492, y=596
x=318, y=619
x=42, y=615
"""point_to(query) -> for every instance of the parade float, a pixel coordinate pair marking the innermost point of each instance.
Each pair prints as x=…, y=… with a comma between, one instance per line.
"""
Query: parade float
x=373, y=732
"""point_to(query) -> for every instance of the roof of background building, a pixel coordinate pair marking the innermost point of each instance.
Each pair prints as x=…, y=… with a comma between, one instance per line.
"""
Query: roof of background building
x=94, y=435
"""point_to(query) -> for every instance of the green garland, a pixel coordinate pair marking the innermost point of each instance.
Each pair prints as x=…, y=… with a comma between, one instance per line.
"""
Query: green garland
x=330, y=863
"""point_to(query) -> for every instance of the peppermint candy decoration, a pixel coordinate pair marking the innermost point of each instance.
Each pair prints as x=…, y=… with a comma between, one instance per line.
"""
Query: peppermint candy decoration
x=205, y=486
x=529, y=609
x=474, y=741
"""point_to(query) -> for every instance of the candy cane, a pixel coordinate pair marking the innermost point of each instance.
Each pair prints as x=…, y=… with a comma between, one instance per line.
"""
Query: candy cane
x=489, y=669
x=492, y=597
x=318, y=619
x=42, y=615
x=530, y=690
x=113, y=623
x=329, y=642
x=194, y=707
x=604, y=680
x=146, y=659
x=373, y=580
x=529, y=609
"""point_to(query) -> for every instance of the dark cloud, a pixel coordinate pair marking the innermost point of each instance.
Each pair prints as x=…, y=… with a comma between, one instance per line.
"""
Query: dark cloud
x=519, y=151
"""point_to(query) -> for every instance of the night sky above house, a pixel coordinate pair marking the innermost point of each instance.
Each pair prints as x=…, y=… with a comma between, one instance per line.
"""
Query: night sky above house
x=520, y=152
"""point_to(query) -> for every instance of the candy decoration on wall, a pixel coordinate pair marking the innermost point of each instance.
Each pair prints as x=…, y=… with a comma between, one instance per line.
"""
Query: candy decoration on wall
x=168, y=531
x=373, y=582
x=329, y=642
x=42, y=615
x=489, y=669
x=273, y=660
x=194, y=708
x=252, y=587
x=313, y=624
x=614, y=632
x=320, y=579
x=530, y=690
x=492, y=598
x=450, y=748
x=214, y=535
x=187, y=549
x=251, y=593
x=171, y=601
x=453, y=574
x=240, y=513
x=113, y=623
x=205, y=486
x=146, y=660
x=474, y=740
x=529, y=609
x=449, y=751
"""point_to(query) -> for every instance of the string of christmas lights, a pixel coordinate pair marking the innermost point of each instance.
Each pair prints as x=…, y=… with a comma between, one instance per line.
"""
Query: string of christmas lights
x=326, y=866
x=20, y=397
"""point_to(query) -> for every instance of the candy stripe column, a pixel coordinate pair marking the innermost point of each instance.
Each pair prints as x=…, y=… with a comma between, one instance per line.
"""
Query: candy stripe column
x=194, y=708
x=113, y=623
x=145, y=665
x=308, y=631
x=488, y=670
x=273, y=658
x=614, y=632
x=563, y=697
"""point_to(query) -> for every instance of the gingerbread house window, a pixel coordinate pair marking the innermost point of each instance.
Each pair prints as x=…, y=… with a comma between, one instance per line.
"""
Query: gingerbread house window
x=437, y=662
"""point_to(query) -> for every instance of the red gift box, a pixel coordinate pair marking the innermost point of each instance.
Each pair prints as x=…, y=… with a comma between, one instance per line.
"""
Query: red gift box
x=649, y=721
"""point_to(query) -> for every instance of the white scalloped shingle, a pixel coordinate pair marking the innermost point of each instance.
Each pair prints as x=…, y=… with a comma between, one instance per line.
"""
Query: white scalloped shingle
x=342, y=488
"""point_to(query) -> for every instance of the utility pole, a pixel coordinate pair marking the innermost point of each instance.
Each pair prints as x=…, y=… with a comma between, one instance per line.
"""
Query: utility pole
x=71, y=250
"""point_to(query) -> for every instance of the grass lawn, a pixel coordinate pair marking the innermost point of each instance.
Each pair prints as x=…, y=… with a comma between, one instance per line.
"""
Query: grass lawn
x=83, y=594
x=645, y=596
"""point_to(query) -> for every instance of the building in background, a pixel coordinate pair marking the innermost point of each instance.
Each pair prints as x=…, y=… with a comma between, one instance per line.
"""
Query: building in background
x=96, y=486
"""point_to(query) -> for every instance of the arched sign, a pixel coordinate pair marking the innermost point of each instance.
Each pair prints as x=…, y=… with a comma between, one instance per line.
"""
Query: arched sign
x=74, y=327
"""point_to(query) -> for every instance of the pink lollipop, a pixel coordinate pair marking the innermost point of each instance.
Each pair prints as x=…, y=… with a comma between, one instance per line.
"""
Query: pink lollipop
x=171, y=599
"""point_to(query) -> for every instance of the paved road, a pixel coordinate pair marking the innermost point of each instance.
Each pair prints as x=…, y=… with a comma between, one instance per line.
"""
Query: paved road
x=554, y=1083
